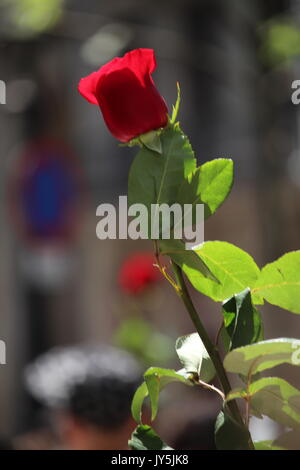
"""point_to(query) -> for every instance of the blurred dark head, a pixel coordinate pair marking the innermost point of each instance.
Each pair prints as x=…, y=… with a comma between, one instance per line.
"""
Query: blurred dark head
x=198, y=434
x=89, y=388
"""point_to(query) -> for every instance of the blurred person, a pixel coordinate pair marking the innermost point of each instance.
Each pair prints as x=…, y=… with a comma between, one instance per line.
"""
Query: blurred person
x=88, y=391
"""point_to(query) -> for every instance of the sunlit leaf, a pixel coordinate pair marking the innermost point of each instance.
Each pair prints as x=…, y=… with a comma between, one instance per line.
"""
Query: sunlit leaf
x=187, y=260
x=272, y=397
x=277, y=399
x=279, y=282
x=145, y=438
x=194, y=357
x=210, y=184
x=137, y=402
x=266, y=445
x=155, y=380
x=263, y=355
x=232, y=267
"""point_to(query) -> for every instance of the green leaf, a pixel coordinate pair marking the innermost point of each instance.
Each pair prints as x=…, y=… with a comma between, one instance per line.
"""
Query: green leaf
x=176, y=107
x=155, y=380
x=154, y=179
x=242, y=321
x=209, y=184
x=230, y=435
x=237, y=392
x=138, y=336
x=277, y=399
x=153, y=386
x=280, y=41
x=232, y=267
x=266, y=445
x=194, y=357
x=152, y=141
x=279, y=282
x=242, y=393
x=263, y=355
x=273, y=397
x=145, y=438
x=137, y=402
x=187, y=260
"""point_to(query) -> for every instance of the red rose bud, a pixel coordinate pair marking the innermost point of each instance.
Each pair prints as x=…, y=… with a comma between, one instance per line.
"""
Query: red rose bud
x=126, y=94
x=137, y=273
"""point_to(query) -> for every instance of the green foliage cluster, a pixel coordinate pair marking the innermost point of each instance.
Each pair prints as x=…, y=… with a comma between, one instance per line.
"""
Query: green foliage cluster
x=167, y=172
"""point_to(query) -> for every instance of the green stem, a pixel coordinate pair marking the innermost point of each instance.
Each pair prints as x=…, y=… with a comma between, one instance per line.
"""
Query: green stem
x=210, y=347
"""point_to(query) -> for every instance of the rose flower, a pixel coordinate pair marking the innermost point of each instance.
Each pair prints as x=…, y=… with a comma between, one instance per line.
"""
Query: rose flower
x=126, y=94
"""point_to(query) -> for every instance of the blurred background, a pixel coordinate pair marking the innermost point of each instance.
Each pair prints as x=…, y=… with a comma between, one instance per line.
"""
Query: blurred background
x=59, y=285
